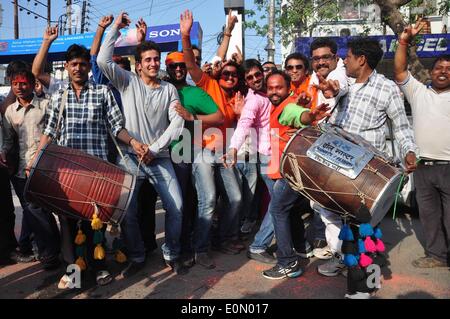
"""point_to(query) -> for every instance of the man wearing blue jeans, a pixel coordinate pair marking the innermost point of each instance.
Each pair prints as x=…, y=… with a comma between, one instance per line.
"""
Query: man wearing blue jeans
x=210, y=178
x=285, y=114
x=150, y=116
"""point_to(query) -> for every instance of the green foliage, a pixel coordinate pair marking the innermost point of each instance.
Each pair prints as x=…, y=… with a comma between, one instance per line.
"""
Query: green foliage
x=304, y=16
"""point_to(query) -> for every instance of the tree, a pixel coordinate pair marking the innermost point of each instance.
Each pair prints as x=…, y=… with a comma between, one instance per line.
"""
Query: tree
x=297, y=17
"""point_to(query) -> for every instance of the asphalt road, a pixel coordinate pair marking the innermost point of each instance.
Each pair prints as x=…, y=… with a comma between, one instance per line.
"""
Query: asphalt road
x=237, y=277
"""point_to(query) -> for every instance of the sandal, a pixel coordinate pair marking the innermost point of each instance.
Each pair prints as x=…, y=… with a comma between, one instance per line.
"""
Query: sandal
x=64, y=282
x=103, y=277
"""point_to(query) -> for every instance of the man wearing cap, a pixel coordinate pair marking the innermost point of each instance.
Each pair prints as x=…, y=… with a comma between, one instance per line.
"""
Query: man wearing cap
x=198, y=109
x=150, y=116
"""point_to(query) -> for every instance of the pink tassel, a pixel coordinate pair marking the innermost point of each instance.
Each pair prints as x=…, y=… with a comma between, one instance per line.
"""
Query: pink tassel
x=370, y=245
x=365, y=260
x=380, y=246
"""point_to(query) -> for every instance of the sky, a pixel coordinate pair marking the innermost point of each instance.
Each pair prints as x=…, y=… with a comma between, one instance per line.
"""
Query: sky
x=209, y=13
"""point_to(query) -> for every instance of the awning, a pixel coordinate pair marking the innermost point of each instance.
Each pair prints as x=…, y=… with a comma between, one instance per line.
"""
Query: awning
x=167, y=36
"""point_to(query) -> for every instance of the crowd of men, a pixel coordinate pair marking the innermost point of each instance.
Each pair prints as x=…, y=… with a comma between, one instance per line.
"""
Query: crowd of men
x=212, y=184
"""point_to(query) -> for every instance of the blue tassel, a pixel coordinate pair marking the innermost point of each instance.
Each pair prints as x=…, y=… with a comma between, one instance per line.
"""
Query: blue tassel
x=350, y=260
x=346, y=233
x=377, y=233
x=365, y=230
x=361, y=247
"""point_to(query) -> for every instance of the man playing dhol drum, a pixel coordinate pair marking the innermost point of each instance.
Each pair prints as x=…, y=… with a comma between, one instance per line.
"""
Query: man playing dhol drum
x=90, y=111
x=371, y=100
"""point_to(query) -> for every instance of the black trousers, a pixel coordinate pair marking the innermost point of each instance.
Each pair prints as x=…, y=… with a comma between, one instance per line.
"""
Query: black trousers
x=8, y=240
x=433, y=198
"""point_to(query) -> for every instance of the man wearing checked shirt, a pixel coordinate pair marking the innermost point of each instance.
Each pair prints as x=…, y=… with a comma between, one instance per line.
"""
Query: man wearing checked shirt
x=90, y=111
x=371, y=100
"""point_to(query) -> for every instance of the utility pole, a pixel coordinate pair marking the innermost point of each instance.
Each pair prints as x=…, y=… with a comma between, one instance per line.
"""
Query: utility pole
x=270, y=48
x=16, y=20
x=49, y=12
x=83, y=16
x=69, y=14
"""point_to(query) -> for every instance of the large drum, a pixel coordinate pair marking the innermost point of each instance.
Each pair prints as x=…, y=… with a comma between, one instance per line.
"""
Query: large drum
x=341, y=172
x=72, y=183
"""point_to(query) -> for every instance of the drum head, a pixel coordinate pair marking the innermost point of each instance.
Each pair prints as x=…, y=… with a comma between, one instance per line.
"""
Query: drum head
x=384, y=200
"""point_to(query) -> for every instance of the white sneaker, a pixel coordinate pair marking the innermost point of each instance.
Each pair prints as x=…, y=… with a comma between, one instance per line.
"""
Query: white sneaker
x=333, y=267
x=358, y=295
x=323, y=253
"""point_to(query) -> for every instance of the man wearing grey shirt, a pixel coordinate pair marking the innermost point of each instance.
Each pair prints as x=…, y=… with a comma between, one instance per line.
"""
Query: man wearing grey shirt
x=150, y=117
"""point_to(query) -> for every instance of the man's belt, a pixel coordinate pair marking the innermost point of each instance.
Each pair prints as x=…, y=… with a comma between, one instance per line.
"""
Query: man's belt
x=430, y=162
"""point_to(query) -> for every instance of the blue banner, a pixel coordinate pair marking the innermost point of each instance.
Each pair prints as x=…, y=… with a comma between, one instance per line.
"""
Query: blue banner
x=430, y=45
x=168, y=36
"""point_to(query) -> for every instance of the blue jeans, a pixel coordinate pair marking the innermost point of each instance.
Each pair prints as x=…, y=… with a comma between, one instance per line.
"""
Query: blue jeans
x=248, y=176
x=265, y=234
x=212, y=178
x=161, y=175
x=283, y=198
x=40, y=222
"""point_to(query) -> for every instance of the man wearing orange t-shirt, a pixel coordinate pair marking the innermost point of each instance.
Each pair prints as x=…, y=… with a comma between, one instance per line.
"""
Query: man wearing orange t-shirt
x=284, y=110
x=210, y=176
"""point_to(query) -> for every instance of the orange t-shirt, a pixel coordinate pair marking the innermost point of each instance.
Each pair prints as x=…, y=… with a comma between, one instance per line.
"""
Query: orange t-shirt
x=311, y=91
x=212, y=87
x=278, y=137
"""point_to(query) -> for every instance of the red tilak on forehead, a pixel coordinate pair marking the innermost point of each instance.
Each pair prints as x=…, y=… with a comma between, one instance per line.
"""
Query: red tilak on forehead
x=20, y=79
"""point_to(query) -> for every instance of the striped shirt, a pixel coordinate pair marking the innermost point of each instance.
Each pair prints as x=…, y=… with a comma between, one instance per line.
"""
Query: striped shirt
x=86, y=121
x=366, y=108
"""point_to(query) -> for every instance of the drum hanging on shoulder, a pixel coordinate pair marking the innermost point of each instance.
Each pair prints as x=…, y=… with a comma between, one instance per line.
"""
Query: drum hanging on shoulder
x=73, y=183
x=342, y=172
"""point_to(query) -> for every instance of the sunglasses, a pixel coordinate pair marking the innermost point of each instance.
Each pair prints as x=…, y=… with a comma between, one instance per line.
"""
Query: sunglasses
x=297, y=67
x=256, y=76
x=227, y=74
x=272, y=69
x=174, y=66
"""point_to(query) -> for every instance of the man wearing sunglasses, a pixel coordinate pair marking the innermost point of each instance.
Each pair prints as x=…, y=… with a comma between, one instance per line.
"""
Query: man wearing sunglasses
x=197, y=109
x=296, y=66
x=210, y=176
x=269, y=68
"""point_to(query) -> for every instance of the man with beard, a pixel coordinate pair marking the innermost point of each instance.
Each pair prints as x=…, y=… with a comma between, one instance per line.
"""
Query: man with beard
x=282, y=196
x=431, y=114
x=197, y=108
x=255, y=115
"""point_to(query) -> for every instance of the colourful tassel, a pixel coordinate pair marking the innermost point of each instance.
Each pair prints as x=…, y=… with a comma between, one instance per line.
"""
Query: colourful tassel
x=377, y=233
x=365, y=260
x=350, y=260
x=380, y=246
x=361, y=247
x=365, y=230
x=79, y=251
x=346, y=233
x=98, y=237
x=370, y=245
x=80, y=238
x=99, y=252
x=120, y=257
x=81, y=263
x=96, y=223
